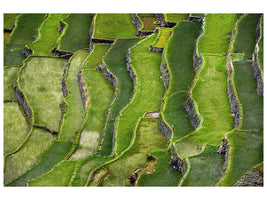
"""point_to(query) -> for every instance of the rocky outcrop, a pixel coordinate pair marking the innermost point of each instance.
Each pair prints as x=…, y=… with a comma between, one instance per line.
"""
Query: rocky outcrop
x=23, y=104
x=64, y=85
x=83, y=90
x=27, y=52
x=109, y=76
x=190, y=107
x=129, y=68
x=136, y=21
x=101, y=41
x=156, y=49
x=253, y=177
x=61, y=26
x=176, y=162
x=255, y=63
x=164, y=128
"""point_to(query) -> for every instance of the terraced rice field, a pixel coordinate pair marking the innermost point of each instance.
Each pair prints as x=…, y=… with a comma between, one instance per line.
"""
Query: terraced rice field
x=171, y=99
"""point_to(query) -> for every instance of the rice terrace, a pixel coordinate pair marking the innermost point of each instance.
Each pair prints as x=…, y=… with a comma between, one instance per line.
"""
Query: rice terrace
x=133, y=99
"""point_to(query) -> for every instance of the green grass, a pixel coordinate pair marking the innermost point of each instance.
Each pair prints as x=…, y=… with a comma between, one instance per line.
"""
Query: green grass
x=246, y=152
x=6, y=37
x=86, y=168
x=252, y=103
x=47, y=161
x=210, y=94
x=9, y=20
x=174, y=17
x=149, y=91
x=43, y=90
x=76, y=36
x=74, y=117
x=16, y=128
x=206, y=168
x=17, y=163
x=95, y=57
x=179, y=54
x=112, y=26
x=148, y=22
x=115, y=60
x=10, y=78
x=48, y=35
x=59, y=176
x=246, y=39
x=216, y=38
x=24, y=33
x=162, y=38
x=148, y=138
x=163, y=175
x=100, y=93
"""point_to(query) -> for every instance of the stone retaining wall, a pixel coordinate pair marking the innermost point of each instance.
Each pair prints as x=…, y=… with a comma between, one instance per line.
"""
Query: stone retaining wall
x=102, y=67
x=23, y=103
x=83, y=90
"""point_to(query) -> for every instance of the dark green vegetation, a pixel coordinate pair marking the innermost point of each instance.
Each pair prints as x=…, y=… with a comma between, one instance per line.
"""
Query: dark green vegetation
x=108, y=100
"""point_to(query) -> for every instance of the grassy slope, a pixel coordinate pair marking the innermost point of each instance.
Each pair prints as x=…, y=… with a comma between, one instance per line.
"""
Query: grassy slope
x=148, y=139
x=16, y=128
x=205, y=168
x=9, y=23
x=74, y=116
x=112, y=26
x=43, y=90
x=172, y=17
x=163, y=36
x=149, y=91
x=163, y=175
x=215, y=38
x=28, y=155
x=59, y=176
x=48, y=35
x=182, y=74
x=247, y=146
x=246, y=152
x=23, y=34
x=10, y=78
x=48, y=160
x=76, y=36
x=100, y=92
x=115, y=60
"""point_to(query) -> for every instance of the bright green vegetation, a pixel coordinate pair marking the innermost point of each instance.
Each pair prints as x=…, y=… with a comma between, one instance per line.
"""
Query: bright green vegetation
x=16, y=128
x=163, y=36
x=148, y=22
x=10, y=78
x=28, y=155
x=112, y=26
x=210, y=93
x=115, y=60
x=173, y=17
x=59, y=176
x=43, y=90
x=179, y=54
x=205, y=168
x=48, y=35
x=23, y=34
x=6, y=37
x=148, y=138
x=149, y=91
x=201, y=15
x=95, y=57
x=82, y=175
x=163, y=175
x=246, y=38
x=48, y=160
x=216, y=36
x=100, y=92
x=76, y=36
x=252, y=103
x=74, y=117
x=246, y=152
x=9, y=20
